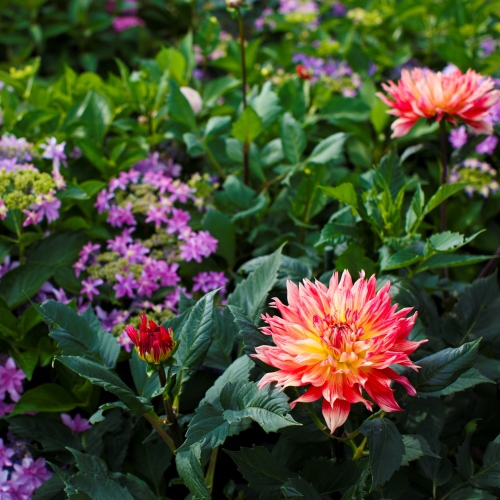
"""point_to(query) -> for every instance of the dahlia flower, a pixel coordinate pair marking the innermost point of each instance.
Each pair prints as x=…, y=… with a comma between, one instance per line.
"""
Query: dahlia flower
x=154, y=344
x=422, y=93
x=339, y=340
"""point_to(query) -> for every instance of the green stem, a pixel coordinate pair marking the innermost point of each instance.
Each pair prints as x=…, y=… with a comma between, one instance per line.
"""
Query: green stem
x=160, y=431
x=209, y=478
x=169, y=413
x=444, y=178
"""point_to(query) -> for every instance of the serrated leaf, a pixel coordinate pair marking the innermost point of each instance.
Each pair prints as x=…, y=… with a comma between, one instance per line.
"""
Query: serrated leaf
x=103, y=377
x=89, y=464
x=195, y=334
x=414, y=212
x=266, y=104
x=298, y=487
x=252, y=336
x=467, y=380
x=268, y=406
x=328, y=149
x=443, y=193
x=344, y=193
x=263, y=473
x=402, y=258
x=442, y=242
x=216, y=126
x=451, y=260
x=441, y=369
x=251, y=294
x=293, y=139
x=415, y=447
x=189, y=468
x=386, y=449
x=248, y=126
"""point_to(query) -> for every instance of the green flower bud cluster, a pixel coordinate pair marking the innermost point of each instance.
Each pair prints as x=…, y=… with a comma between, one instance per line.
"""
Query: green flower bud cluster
x=362, y=17
x=20, y=188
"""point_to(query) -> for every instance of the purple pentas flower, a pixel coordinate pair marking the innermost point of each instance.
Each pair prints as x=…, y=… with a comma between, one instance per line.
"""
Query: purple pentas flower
x=109, y=320
x=11, y=379
x=135, y=253
x=125, y=341
x=147, y=285
x=120, y=242
x=29, y=475
x=156, y=215
x=125, y=286
x=207, y=281
x=180, y=191
x=90, y=287
x=54, y=152
x=47, y=206
x=167, y=273
x=458, y=137
x=77, y=424
x=487, y=147
x=103, y=199
x=8, y=265
x=199, y=245
x=121, y=216
x=178, y=221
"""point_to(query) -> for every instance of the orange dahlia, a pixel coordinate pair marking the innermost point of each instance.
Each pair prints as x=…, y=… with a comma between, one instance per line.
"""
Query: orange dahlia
x=422, y=93
x=339, y=340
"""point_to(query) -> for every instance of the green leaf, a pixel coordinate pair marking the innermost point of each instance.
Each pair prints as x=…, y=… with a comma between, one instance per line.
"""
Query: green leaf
x=293, y=139
x=268, y=407
x=58, y=250
x=465, y=465
x=261, y=469
x=194, y=145
x=223, y=230
x=189, y=468
x=248, y=126
x=442, y=242
x=443, y=193
x=451, y=260
x=415, y=447
x=179, y=108
x=441, y=369
x=251, y=294
x=266, y=104
x=89, y=464
x=272, y=153
x=402, y=258
x=195, y=335
x=144, y=385
x=45, y=398
x=252, y=336
x=215, y=127
x=172, y=62
x=344, y=193
x=93, y=153
x=299, y=487
x=386, y=449
x=489, y=474
x=467, y=380
x=79, y=335
x=414, y=213
x=328, y=149
x=23, y=282
x=97, y=114
x=103, y=377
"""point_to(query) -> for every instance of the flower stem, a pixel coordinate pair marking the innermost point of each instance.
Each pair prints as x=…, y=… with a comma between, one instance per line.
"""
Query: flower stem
x=169, y=413
x=444, y=171
x=160, y=431
x=209, y=478
x=246, y=146
x=491, y=265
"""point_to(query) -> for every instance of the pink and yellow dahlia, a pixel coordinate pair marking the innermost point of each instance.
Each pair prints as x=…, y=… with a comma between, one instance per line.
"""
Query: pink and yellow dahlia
x=422, y=93
x=339, y=340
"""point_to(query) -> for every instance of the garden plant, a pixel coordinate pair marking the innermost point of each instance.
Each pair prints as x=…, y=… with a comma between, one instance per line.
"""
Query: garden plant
x=249, y=249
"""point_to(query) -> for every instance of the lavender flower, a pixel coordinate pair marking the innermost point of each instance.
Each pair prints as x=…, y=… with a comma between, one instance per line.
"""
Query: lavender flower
x=54, y=152
x=77, y=424
x=11, y=380
x=487, y=146
x=458, y=137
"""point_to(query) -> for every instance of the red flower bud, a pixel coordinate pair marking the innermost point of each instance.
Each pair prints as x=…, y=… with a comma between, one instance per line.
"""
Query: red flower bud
x=303, y=72
x=154, y=344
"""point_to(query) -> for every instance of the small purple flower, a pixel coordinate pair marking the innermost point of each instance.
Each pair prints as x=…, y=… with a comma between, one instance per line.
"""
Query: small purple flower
x=178, y=221
x=88, y=249
x=54, y=152
x=6, y=408
x=338, y=9
x=5, y=455
x=207, y=281
x=200, y=245
x=11, y=380
x=90, y=287
x=135, y=253
x=120, y=216
x=119, y=243
x=487, y=47
x=77, y=424
x=147, y=285
x=32, y=217
x=30, y=474
x=181, y=191
x=126, y=22
x=125, y=342
x=156, y=215
x=487, y=146
x=167, y=273
x=109, y=320
x=103, y=199
x=48, y=206
x=125, y=286
x=458, y=137
x=7, y=265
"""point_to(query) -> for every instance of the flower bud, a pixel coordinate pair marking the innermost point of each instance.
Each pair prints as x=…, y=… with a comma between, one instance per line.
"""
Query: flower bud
x=194, y=99
x=234, y=4
x=154, y=344
x=303, y=72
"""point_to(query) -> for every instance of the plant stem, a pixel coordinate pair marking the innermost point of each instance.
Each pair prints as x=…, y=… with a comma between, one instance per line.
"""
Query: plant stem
x=160, y=431
x=209, y=479
x=169, y=413
x=444, y=171
x=246, y=146
x=491, y=265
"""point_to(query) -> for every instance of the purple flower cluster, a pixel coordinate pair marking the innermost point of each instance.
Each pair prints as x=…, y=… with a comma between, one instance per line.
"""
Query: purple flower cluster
x=13, y=148
x=328, y=68
x=208, y=281
x=127, y=17
x=479, y=176
x=46, y=206
x=55, y=152
x=11, y=384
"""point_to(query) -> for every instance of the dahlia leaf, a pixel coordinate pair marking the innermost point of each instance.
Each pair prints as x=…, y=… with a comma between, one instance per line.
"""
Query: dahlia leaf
x=386, y=449
x=266, y=104
x=215, y=127
x=179, y=108
x=465, y=465
x=489, y=474
x=441, y=369
x=344, y=193
x=328, y=149
x=195, y=335
x=442, y=194
x=248, y=126
x=415, y=447
x=268, y=407
x=438, y=261
x=293, y=139
x=261, y=469
x=144, y=385
x=105, y=378
x=299, y=487
x=470, y=378
x=403, y=258
x=189, y=468
x=250, y=294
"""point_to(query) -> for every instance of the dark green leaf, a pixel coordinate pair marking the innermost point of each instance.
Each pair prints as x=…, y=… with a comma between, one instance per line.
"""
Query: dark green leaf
x=328, y=149
x=248, y=126
x=189, y=468
x=489, y=474
x=344, y=193
x=293, y=139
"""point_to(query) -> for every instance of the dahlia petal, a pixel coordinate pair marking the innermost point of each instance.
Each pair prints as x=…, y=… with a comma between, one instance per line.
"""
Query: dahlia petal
x=336, y=413
x=312, y=394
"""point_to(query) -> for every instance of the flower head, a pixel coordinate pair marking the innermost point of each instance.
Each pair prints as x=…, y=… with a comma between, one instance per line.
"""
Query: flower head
x=339, y=340
x=77, y=424
x=422, y=93
x=154, y=344
x=303, y=72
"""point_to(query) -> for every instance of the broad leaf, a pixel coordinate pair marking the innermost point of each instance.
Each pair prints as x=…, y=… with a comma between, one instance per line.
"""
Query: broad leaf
x=293, y=139
x=344, y=193
x=489, y=474
x=328, y=149
x=189, y=468
x=248, y=126
x=443, y=193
